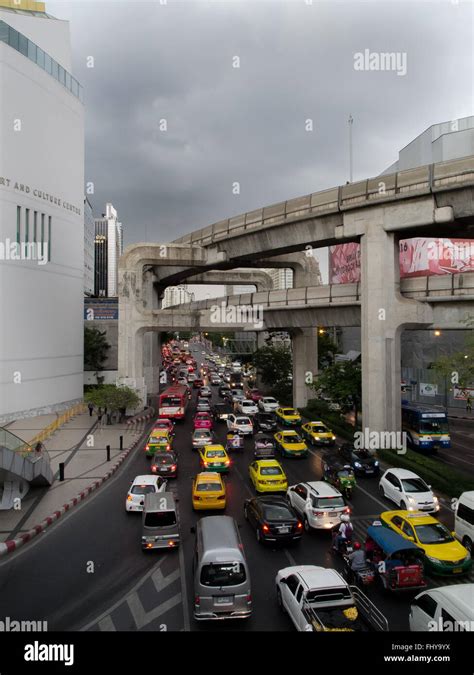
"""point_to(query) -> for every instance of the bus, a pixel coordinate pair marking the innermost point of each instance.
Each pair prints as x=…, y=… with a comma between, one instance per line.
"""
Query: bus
x=174, y=401
x=426, y=426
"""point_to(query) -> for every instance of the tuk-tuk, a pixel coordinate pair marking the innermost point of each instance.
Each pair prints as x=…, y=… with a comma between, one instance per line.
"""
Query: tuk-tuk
x=264, y=446
x=234, y=441
x=340, y=475
x=396, y=561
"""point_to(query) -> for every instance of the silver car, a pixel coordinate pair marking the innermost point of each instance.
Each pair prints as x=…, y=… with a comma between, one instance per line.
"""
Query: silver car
x=201, y=438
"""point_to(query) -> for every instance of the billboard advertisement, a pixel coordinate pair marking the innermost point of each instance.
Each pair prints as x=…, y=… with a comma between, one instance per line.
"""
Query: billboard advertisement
x=100, y=309
x=421, y=256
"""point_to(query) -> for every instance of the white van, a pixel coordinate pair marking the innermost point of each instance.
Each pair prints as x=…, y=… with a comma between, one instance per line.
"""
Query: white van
x=445, y=609
x=464, y=520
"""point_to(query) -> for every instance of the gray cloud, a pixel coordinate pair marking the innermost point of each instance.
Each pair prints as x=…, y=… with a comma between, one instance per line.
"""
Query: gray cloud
x=246, y=124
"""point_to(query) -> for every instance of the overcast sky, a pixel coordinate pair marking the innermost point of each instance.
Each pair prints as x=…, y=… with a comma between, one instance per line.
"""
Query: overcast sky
x=225, y=124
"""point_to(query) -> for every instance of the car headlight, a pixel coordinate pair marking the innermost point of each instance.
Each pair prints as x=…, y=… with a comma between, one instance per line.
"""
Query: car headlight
x=333, y=438
x=316, y=438
x=436, y=561
x=358, y=465
x=376, y=463
x=435, y=499
x=411, y=500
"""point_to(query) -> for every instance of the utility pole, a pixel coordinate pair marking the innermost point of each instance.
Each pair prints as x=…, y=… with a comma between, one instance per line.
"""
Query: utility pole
x=350, y=122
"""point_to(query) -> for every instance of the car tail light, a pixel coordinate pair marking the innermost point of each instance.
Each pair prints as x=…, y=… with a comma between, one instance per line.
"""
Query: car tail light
x=347, y=510
x=196, y=498
x=173, y=467
x=197, y=600
x=147, y=447
x=171, y=543
x=265, y=528
x=299, y=526
x=206, y=463
x=227, y=462
x=318, y=513
x=168, y=447
x=221, y=497
x=249, y=599
x=153, y=468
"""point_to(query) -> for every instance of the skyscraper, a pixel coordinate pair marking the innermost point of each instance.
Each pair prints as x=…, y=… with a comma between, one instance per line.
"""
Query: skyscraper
x=108, y=249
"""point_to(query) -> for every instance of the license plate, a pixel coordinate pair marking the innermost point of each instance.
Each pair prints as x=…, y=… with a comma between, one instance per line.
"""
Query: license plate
x=284, y=530
x=457, y=570
x=223, y=600
x=426, y=508
x=369, y=471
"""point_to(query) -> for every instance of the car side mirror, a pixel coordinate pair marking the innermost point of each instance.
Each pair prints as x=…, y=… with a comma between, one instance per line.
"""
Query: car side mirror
x=397, y=488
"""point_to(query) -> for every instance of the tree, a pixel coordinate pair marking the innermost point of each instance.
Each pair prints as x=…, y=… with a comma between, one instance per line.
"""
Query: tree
x=458, y=368
x=327, y=348
x=95, y=349
x=342, y=383
x=112, y=398
x=274, y=365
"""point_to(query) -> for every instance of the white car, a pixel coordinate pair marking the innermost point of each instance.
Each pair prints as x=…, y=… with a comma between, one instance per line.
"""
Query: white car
x=268, y=404
x=201, y=438
x=141, y=486
x=240, y=423
x=182, y=380
x=191, y=377
x=247, y=407
x=205, y=392
x=319, y=504
x=408, y=491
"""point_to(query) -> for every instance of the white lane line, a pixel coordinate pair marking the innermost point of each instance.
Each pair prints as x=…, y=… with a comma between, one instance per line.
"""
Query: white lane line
x=141, y=617
x=107, y=625
x=184, y=590
x=119, y=602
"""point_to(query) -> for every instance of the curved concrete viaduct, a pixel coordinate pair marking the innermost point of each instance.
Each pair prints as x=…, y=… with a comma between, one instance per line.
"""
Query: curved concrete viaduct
x=435, y=200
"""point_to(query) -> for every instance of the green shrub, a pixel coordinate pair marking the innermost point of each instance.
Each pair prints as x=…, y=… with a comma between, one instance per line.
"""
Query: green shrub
x=318, y=409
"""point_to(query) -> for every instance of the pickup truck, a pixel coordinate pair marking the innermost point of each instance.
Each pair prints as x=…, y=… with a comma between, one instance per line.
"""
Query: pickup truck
x=319, y=599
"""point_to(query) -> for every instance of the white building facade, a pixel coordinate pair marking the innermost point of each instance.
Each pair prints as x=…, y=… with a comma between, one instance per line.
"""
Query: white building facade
x=109, y=248
x=41, y=214
x=176, y=295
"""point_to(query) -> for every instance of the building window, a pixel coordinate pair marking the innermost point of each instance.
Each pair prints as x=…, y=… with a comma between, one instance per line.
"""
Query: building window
x=55, y=69
x=35, y=226
x=49, y=238
x=18, y=225
x=23, y=44
x=27, y=225
x=40, y=57
x=48, y=63
x=31, y=51
x=42, y=234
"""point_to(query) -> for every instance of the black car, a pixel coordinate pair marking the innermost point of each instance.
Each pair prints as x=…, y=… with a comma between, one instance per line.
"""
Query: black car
x=273, y=519
x=220, y=411
x=165, y=464
x=222, y=389
x=362, y=462
x=265, y=421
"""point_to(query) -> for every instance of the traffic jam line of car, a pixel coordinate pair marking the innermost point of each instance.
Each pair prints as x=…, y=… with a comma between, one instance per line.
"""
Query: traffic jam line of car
x=407, y=540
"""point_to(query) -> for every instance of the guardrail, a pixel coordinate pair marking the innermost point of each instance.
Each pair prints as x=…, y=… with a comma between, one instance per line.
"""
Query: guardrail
x=423, y=180
x=54, y=426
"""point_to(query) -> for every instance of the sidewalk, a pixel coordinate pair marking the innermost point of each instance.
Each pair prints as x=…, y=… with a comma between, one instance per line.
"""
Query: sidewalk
x=460, y=414
x=81, y=445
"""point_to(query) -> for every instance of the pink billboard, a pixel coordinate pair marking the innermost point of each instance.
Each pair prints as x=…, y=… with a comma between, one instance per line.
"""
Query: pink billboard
x=420, y=256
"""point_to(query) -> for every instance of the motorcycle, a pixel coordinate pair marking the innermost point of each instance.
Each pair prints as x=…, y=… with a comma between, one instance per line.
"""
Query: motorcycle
x=345, y=547
x=362, y=577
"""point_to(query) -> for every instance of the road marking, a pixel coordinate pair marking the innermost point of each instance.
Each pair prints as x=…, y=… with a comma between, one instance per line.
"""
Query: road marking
x=143, y=618
x=184, y=590
x=106, y=624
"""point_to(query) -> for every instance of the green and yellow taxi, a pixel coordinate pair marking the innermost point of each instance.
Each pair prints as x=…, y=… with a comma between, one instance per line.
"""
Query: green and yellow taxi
x=444, y=554
x=208, y=491
x=159, y=440
x=267, y=475
x=290, y=444
x=317, y=433
x=288, y=417
x=214, y=458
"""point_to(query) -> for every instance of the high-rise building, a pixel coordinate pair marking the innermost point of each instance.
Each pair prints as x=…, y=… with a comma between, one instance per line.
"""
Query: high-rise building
x=282, y=278
x=41, y=214
x=176, y=295
x=89, y=248
x=108, y=249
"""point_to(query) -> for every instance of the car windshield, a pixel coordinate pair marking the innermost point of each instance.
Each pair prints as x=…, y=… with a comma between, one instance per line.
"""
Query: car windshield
x=434, y=533
x=362, y=454
x=160, y=519
x=223, y=574
x=164, y=458
x=414, y=485
x=292, y=439
x=434, y=426
x=242, y=420
x=327, y=502
x=318, y=429
x=289, y=411
x=250, y=404
x=345, y=473
x=142, y=489
x=277, y=512
x=270, y=471
x=211, y=486
x=170, y=400
x=202, y=417
x=202, y=434
x=269, y=400
x=215, y=453
x=162, y=425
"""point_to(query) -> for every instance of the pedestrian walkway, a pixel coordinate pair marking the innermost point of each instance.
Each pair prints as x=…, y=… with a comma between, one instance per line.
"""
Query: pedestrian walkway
x=460, y=413
x=80, y=445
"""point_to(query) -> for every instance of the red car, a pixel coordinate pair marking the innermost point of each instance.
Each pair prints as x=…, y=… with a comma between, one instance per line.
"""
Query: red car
x=203, y=420
x=198, y=382
x=164, y=423
x=254, y=395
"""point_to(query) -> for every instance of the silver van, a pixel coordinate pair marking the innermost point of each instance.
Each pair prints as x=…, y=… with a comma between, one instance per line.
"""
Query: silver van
x=160, y=522
x=220, y=571
x=464, y=520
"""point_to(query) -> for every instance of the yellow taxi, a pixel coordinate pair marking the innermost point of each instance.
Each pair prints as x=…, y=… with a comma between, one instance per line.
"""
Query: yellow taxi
x=159, y=439
x=214, y=458
x=444, y=554
x=317, y=433
x=208, y=491
x=291, y=444
x=267, y=475
x=289, y=417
